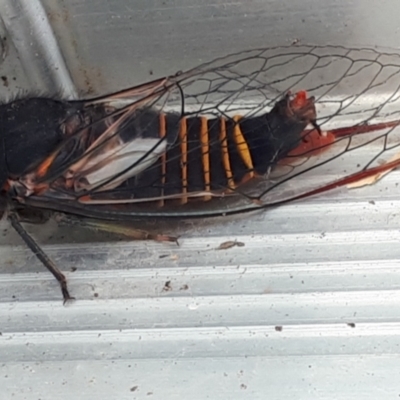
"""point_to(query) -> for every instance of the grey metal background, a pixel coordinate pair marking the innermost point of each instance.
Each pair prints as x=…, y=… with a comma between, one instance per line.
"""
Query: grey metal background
x=307, y=309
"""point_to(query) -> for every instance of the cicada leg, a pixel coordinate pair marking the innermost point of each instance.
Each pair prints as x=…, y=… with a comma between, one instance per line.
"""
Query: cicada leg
x=41, y=255
x=365, y=128
x=366, y=177
x=115, y=228
x=314, y=141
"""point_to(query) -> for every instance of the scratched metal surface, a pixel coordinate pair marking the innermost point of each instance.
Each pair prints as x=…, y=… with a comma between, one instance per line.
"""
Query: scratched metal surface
x=307, y=308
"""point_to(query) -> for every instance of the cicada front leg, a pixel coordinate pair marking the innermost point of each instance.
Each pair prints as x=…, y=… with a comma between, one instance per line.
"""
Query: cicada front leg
x=41, y=255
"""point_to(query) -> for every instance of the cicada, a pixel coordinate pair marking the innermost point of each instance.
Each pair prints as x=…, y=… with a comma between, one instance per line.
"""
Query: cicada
x=245, y=132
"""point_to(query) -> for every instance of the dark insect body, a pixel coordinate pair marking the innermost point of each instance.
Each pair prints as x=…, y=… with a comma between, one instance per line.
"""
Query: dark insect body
x=245, y=132
x=192, y=155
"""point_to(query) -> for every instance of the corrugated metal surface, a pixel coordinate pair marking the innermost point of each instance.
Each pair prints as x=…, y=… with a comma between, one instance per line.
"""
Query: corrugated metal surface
x=308, y=308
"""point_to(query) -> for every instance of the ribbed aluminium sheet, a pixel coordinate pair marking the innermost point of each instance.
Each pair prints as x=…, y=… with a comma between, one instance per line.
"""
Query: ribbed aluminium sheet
x=297, y=302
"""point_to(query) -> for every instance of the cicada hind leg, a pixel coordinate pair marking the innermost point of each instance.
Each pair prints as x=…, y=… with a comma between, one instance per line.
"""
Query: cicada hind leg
x=115, y=228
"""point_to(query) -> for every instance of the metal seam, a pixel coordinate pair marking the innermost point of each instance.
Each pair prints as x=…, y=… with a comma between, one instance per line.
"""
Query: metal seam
x=31, y=33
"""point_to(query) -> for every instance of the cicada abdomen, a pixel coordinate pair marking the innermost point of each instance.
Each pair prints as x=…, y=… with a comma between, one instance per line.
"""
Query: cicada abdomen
x=200, y=157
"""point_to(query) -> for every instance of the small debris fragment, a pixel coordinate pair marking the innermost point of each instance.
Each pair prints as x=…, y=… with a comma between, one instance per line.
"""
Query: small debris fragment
x=351, y=324
x=173, y=257
x=279, y=328
x=229, y=244
x=167, y=287
x=134, y=388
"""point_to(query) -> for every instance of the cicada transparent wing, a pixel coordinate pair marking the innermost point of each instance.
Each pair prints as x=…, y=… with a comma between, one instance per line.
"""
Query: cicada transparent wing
x=242, y=132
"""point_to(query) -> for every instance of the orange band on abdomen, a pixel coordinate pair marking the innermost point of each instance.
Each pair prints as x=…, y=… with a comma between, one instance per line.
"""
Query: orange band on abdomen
x=183, y=141
x=163, y=131
x=242, y=146
x=225, y=154
x=205, y=153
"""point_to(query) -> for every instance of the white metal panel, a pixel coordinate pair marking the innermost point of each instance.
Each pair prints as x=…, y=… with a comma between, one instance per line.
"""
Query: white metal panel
x=306, y=309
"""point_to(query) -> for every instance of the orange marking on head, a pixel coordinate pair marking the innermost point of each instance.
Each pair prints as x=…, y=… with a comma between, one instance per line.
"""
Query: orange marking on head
x=300, y=99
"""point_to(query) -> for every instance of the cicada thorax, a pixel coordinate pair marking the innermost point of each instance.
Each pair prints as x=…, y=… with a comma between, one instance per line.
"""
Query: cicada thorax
x=31, y=128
